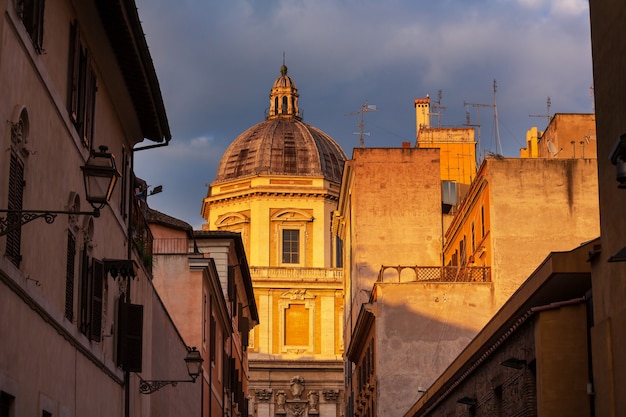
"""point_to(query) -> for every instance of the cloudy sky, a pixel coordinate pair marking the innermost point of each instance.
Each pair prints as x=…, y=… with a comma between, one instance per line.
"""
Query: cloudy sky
x=217, y=60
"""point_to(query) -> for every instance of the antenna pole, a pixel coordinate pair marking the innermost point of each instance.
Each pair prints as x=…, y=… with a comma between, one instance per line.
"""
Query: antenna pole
x=438, y=107
x=547, y=115
x=365, y=108
x=495, y=118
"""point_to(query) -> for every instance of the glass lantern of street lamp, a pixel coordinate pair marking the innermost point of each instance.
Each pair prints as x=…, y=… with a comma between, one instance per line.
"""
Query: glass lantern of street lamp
x=194, y=363
x=100, y=175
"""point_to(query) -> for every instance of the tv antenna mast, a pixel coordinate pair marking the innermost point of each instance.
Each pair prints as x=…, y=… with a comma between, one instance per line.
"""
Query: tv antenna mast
x=478, y=106
x=547, y=115
x=438, y=108
x=365, y=108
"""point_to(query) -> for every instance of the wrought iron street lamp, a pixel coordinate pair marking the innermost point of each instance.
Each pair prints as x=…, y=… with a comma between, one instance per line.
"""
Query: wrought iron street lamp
x=193, y=360
x=100, y=176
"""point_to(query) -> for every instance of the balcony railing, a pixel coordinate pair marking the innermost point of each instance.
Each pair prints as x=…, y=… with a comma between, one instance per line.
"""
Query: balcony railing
x=413, y=273
x=295, y=274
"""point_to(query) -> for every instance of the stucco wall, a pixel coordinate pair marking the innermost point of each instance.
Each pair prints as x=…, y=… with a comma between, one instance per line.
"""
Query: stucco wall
x=537, y=206
x=389, y=226
x=421, y=328
x=609, y=279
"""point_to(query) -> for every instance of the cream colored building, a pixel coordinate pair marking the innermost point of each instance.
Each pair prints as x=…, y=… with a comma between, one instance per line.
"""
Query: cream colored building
x=419, y=286
x=568, y=136
x=277, y=184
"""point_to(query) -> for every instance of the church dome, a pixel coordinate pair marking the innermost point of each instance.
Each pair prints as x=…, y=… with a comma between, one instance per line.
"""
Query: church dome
x=283, y=144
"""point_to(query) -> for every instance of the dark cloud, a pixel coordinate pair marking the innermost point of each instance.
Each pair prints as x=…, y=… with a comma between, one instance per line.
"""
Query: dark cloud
x=216, y=63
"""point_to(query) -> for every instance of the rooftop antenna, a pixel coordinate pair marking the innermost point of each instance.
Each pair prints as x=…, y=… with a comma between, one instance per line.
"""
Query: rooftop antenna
x=593, y=102
x=495, y=118
x=478, y=106
x=547, y=115
x=365, y=108
x=438, y=108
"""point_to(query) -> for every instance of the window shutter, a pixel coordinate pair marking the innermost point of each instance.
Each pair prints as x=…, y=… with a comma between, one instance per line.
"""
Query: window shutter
x=232, y=290
x=244, y=328
x=69, y=276
x=130, y=336
x=74, y=71
x=213, y=337
x=226, y=370
x=90, y=104
x=16, y=195
x=97, y=288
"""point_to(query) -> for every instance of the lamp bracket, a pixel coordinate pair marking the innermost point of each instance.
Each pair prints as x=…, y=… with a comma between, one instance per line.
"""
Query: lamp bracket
x=17, y=218
x=148, y=387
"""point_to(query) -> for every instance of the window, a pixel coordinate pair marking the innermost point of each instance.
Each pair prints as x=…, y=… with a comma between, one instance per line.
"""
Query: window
x=16, y=194
x=130, y=336
x=91, y=300
x=290, y=157
x=31, y=14
x=69, y=276
x=82, y=88
x=213, y=340
x=473, y=239
x=6, y=404
x=291, y=246
x=204, y=314
x=285, y=101
x=482, y=221
x=338, y=252
x=291, y=233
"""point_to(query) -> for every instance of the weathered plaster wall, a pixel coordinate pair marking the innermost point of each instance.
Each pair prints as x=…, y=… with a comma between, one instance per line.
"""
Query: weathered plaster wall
x=421, y=329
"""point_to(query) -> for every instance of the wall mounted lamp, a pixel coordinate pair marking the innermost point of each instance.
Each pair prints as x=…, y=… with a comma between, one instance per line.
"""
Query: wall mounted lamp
x=193, y=360
x=100, y=176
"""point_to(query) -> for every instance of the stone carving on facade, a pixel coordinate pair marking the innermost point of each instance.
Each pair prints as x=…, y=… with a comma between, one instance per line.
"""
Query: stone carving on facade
x=263, y=394
x=293, y=403
x=330, y=395
x=281, y=398
x=297, y=386
x=313, y=398
x=297, y=295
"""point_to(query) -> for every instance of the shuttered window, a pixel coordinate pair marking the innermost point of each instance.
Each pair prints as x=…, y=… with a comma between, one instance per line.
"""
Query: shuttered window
x=91, y=297
x=130, y=336
x=15, y=198
x=213, y=337
x=97, y=289
x=82, y=88
x=31, y=14
x=69, y=276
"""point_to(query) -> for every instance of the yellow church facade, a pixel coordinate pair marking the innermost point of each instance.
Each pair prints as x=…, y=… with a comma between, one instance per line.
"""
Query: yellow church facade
x=277, y=184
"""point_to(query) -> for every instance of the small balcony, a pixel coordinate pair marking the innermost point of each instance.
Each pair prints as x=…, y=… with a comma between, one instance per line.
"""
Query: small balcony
x=327, y=275
x=414, y=273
